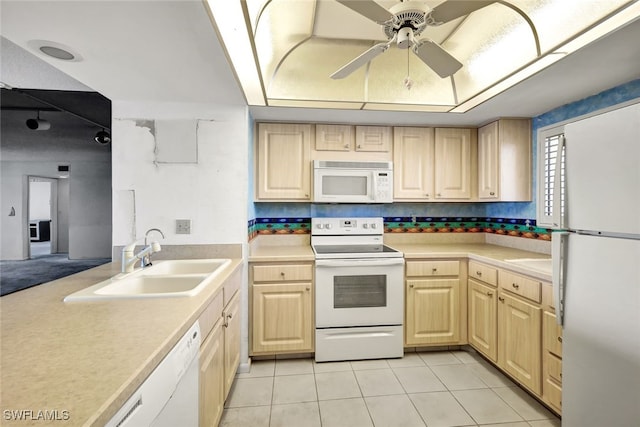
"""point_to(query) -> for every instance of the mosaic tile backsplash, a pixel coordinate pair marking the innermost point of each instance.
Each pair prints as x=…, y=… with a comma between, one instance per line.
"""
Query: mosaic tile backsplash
x=525, y=228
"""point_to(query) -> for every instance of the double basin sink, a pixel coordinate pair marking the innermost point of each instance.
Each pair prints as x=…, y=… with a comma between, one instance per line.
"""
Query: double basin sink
x=164, y=279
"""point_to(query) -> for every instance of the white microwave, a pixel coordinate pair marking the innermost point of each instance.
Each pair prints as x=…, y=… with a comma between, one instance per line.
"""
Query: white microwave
x=352, y=182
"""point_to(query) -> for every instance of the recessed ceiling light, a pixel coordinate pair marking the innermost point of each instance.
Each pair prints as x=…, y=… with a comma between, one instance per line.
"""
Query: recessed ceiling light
x=55, y=50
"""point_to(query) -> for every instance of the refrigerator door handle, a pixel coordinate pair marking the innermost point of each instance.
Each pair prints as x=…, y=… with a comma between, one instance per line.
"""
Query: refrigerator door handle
x=558, y=257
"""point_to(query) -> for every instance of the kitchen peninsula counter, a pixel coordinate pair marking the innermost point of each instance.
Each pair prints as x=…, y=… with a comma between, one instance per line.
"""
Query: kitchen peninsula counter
x=76, y=363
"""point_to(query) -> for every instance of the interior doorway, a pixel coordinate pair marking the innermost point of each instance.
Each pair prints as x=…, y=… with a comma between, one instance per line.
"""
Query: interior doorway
x=48, y=216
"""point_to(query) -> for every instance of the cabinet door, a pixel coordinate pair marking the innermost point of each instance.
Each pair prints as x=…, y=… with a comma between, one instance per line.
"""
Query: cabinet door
x=334, y=137
x=552, y=334
x=483, y=326
x=373, y=138
x=282, y=318
x=488, y=162
x=211, y=381
x=519, y=340
x=231, y=318
x=432, y=312
x=284, y=161
x=453, y=163
x=413, y=157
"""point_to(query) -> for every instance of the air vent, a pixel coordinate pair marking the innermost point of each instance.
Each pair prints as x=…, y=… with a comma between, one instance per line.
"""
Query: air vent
x=63, y=168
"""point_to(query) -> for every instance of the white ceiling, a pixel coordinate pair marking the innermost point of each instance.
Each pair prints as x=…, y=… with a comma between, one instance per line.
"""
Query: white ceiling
x=168, y=51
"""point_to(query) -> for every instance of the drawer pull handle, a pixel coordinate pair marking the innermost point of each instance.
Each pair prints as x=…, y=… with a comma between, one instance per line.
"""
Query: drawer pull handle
x=500, y=299
x=515, y=285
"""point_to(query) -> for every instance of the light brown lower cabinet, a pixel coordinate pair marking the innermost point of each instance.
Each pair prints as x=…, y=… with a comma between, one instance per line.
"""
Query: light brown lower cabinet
x=483, y=319
x=552, y=362
x=231, y=327
x=212, y=377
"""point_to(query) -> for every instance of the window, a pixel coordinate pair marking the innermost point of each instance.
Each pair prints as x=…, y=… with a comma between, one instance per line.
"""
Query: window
x=551, y=179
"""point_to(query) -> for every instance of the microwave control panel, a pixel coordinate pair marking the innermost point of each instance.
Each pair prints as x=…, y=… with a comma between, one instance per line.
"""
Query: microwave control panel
x=384, y=186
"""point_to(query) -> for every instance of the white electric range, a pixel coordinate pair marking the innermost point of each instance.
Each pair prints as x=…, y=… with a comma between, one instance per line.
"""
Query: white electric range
x=359, y=290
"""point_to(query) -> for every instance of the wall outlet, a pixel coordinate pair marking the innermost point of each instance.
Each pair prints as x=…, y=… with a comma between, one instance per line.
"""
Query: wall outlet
x=183, y=226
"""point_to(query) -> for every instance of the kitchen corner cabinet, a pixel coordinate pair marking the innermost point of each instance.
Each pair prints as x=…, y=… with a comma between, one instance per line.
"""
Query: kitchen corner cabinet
x=520, y=329
x=435, y=311
x=483, y=309
x=504, y=161
x=283, y=162
x=282, y=318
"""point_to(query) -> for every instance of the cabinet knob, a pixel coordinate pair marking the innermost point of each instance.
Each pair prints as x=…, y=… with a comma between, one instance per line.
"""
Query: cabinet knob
x=306, y=196
x=500, y=299
x=359, y=146
x=492, y=193
x=515, y=285
x=434, y=270
x=489, y=294
x=230, y=315
x=346, y=145
x=439, y=195
x=411, y=286
x=427, y=195
x=308, y=288
x=282, y=274
x=560, y=339
x=478, y=273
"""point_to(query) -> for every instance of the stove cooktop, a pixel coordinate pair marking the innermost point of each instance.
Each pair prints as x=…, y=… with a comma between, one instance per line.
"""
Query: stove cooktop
x=355, y=251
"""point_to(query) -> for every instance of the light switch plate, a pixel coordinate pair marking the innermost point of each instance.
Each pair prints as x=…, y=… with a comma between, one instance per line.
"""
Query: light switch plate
x=183, y=226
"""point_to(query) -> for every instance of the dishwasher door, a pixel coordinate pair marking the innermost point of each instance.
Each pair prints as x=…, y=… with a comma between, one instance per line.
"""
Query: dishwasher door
x=169, y=395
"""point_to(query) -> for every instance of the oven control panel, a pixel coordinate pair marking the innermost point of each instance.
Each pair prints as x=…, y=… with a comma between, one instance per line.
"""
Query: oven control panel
x=346, y=226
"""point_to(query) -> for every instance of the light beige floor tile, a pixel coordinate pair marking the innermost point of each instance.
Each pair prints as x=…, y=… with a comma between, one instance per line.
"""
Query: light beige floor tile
x=378, y=382
x=393, y=411
x=441, y=409
x=418, y=379
x=294, y=389
x=337, y=385
x=359, y=365
x=433, y=358
x=255, y=416
x=526, y=406
x=490, y=375
x=259, y=368
x=458, y=377
x=295, y=414
x=546, y=423
x=520, y=424
x=486, y=407
x=294, y=367
x=250, y=392
x=409, y=359
x=467, y=356
x=331, y=367
x=345, y=413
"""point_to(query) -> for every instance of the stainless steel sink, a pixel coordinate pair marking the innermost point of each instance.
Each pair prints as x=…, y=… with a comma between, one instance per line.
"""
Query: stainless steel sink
x=538, y=264
x=165, y=279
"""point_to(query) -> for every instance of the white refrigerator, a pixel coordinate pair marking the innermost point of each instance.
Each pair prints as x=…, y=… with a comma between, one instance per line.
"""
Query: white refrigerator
x=597, y=271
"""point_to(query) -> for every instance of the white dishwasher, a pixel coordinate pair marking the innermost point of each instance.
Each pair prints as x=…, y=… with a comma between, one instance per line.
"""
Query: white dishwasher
x=169, y=395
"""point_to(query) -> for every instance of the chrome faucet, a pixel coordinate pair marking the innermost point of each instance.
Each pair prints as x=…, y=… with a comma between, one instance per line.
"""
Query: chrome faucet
x=129, y=257
x=154, y=245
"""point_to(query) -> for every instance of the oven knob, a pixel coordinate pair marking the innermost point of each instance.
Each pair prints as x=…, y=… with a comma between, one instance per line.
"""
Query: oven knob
x=373, y=225
x=365, y=225
x=319, y=226
x=327, y=226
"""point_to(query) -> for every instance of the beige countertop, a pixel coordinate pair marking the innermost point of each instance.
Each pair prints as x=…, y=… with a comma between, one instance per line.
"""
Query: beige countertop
x=281, y=248
x=84, y=359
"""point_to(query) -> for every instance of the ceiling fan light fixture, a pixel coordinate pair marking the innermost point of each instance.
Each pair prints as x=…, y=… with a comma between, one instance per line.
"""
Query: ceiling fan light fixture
x=405, y=38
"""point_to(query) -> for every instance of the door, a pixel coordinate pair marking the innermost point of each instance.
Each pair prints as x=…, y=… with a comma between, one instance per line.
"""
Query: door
x=601, y=335
x=359, y=292
x=483, y=327
x=602, y=173
x=43, y=216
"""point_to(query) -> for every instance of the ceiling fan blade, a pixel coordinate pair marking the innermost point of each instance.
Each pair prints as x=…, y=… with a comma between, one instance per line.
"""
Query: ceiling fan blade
x=358, y=62
x=453, y=9
x=438, y=59
x=369, y=9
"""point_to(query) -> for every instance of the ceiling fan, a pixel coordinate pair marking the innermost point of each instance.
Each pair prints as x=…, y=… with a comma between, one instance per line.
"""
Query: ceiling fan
x=402, y=23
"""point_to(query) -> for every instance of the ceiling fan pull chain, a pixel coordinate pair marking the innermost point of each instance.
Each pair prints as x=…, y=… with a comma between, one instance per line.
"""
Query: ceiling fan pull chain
x=408, y=83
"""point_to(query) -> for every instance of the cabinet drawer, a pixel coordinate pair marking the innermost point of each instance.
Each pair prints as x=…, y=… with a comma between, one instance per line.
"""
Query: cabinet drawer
x=553, y=394
x=554, y=367
x=282, y=273
x=210, y=316
x=484, y=273
x=520, y=285
x=433, y=268
x=552, y=333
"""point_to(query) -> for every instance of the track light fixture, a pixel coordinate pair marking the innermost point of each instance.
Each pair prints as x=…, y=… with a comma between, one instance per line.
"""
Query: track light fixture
x=38, y=123
x=103, y=137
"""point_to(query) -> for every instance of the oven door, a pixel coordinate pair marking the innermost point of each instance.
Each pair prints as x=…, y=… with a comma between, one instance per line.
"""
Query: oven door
x=359, y=292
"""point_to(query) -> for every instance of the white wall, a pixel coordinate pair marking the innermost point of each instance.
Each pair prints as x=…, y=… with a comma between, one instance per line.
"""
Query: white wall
x=212, y=193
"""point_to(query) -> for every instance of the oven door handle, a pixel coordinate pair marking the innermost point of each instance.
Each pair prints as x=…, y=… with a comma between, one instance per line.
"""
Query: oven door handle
x=373, y=262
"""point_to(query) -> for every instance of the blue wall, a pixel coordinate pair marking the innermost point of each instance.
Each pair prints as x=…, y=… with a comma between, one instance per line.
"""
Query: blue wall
x=521, y=210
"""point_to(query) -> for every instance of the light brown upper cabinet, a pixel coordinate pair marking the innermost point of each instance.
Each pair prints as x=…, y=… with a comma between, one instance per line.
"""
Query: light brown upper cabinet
x=504, y=160
x=413, y=158
x=334, y=137
x=452, y=163
x=283, y=162
x=373, y=138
